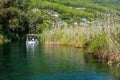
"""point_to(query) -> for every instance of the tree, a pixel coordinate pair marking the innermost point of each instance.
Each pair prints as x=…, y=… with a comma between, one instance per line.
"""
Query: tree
x=15, y=20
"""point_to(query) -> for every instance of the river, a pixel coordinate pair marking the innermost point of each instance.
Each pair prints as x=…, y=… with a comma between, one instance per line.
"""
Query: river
x=19, y=61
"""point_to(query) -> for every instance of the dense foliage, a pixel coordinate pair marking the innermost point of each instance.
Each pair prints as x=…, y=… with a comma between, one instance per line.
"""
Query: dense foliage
x=16, y=18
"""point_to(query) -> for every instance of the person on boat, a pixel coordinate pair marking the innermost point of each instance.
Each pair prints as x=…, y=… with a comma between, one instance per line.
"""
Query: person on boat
x=36, y=39
x=33, y=39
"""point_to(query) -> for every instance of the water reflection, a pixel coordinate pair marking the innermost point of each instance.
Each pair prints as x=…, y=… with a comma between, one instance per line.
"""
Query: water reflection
x=19, y=61
x=31, y=48
x=63, y=58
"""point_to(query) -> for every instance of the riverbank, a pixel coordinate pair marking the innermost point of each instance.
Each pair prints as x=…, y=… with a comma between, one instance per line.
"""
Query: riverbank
x=102, y=42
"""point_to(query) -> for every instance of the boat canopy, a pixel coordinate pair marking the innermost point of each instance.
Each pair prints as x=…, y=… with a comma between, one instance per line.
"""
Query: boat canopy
x=31, y=36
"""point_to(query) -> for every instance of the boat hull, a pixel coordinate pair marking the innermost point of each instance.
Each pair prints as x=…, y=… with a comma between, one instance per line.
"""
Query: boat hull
x=31, y=42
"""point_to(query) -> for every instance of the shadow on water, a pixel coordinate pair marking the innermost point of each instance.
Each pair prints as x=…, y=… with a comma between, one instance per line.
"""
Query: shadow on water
x=19, y=61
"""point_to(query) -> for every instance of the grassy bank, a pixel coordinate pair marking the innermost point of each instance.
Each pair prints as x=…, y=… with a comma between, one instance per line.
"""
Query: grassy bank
x=103, y=42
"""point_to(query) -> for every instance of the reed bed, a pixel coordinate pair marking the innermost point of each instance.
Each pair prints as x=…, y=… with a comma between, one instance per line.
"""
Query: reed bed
x=103, y=41
x=77, y=34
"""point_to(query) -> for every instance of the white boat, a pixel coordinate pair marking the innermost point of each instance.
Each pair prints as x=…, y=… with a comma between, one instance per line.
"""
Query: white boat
x=31, y=39
x=31, y=42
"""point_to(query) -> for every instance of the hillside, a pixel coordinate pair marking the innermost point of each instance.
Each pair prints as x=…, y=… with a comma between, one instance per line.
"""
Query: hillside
x=77, y=10
x=108, y=3
x=67, y=13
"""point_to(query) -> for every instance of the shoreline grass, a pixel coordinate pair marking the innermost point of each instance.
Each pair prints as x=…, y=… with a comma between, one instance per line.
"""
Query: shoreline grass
x=102, y=42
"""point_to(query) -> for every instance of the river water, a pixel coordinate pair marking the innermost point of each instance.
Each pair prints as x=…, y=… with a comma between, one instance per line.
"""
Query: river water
x=19, y=61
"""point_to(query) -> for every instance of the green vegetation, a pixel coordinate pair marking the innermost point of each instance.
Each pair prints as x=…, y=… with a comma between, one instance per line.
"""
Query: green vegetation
x=17, y=19
x=100, y=5
x=81, y=23
x=73, y=9
x=3, y=40
x=62, y=9
x=112, y=4
x=100, y=41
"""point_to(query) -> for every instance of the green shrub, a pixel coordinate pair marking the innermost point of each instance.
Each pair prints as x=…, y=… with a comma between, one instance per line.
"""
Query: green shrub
x=65, y=16
x=98, y=43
